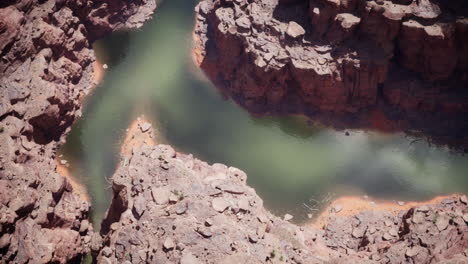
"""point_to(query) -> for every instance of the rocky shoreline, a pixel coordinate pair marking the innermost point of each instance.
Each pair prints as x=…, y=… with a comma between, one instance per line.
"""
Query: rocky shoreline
x=167, y=207
x=381, y=64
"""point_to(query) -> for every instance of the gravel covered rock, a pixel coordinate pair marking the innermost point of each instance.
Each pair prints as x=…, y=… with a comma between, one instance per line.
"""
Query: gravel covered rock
x=46, y=67
x=210, y=227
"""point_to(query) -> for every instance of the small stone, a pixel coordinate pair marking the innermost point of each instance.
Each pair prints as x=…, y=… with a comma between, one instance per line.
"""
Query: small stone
x=358, y=232
x=105, y=66
x=465, y=217
x=139, y=205
x=262, y=218
x=422, y=208
x=181, y=208
x=243, y=22
x=114, y=226
x=205, y=231
x=145, y=127
x=464, y=199
x=34, y=214
x=173, y=198
x=418, y=218
x=168, y=244
x=393, y=232
x=28, y=145
x=295, y=30
x=243, y=204
x=164, y=165
x=387, y=236
x=309, y=216
x=220, y=204
x=400, y=203
x=411, y=252
x=287, y=217
x=209, y=222
x=337, y=208
x=253, y=238
x=84, y=226
x=180, y=246
x=106, y=251
x=63, y=162
x=160, y=195
x=442, y=222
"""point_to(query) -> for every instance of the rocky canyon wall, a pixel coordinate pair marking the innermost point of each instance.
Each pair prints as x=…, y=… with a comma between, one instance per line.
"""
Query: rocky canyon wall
x=46, y=67
x=390, y=65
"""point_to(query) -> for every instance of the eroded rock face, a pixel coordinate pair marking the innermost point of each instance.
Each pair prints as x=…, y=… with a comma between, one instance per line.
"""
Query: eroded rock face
x=392, y=65
x=172, y=208
x=176, y=209
x=46, y=66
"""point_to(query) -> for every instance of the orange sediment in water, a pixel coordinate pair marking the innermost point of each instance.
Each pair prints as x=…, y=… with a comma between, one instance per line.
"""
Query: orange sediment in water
x=78, y=188
x=347, y=206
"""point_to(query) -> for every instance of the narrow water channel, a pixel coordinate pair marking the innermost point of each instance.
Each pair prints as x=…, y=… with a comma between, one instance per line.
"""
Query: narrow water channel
x=294, y=166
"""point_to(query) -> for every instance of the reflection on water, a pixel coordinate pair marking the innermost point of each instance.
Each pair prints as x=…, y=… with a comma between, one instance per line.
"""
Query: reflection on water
x=290, y=163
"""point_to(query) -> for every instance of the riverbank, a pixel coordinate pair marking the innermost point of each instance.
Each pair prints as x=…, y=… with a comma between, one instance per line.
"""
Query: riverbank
x=178, y=208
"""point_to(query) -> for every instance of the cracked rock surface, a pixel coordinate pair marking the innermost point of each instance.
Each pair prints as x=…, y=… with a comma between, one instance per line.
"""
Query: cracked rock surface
x=390, y=65
x=46, y=66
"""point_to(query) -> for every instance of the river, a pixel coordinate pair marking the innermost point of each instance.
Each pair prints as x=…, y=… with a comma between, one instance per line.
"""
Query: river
x=296, y=166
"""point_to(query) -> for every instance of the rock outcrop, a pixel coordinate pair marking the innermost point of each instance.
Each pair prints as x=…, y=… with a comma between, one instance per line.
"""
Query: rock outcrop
x=169, y=207
x=390, y=65
x=46, y=66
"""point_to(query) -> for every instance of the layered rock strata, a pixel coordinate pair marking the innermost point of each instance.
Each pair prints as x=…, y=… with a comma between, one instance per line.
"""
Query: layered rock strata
x=390, y=65
x=46, y=66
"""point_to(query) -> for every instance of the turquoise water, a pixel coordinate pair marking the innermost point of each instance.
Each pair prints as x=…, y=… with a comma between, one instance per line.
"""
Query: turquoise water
x=292, y=165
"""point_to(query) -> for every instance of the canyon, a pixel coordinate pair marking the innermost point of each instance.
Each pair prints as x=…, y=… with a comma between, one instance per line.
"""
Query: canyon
x=170, y=207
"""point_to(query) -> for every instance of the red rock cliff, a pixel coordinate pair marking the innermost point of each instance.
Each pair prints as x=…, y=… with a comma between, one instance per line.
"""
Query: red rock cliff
x=390, y=65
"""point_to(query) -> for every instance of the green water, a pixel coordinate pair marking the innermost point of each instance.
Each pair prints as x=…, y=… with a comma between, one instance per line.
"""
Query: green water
x=293, y=166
